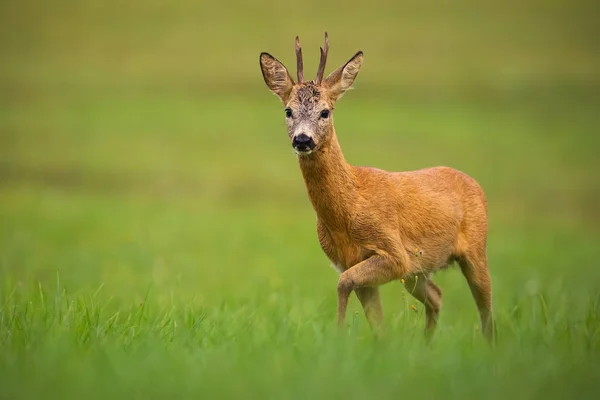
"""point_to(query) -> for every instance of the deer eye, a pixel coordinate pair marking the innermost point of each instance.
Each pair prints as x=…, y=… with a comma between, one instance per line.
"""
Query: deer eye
x=325, y=114
x=288, y=112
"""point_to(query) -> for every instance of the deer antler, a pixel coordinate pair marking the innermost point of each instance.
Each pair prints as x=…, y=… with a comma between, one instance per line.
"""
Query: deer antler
x=299, y=64
x=323, y=60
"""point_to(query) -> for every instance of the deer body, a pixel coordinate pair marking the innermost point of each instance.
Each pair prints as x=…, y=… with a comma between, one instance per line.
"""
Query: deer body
x=377, y=226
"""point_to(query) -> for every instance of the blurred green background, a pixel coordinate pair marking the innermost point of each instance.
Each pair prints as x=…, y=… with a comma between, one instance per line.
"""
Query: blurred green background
x=141, y=152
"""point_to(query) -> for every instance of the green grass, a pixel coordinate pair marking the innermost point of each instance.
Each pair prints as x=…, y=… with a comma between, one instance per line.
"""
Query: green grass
x=155, y=235
x=280, y=345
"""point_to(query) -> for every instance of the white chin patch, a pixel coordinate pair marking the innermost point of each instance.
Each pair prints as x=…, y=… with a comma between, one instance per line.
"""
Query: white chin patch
x=303, y=153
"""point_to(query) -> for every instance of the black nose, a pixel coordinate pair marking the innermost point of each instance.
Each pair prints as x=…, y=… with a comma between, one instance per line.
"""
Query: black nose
x=303, y=142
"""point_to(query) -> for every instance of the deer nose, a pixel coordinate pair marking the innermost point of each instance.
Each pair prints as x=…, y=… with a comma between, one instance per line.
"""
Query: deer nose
x=303, y=142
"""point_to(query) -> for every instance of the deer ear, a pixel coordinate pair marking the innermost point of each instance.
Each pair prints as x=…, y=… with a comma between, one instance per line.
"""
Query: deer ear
x=276, y=76
x=342, y=78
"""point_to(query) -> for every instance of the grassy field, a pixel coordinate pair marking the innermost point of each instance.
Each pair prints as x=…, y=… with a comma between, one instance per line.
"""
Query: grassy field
x=155, y=236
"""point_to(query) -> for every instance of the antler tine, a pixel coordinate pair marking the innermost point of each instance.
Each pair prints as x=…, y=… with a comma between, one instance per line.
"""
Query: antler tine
x=323, y=61
x=299, y=64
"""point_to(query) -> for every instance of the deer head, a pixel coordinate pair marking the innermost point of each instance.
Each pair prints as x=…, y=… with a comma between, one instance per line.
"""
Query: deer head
x=309, y=104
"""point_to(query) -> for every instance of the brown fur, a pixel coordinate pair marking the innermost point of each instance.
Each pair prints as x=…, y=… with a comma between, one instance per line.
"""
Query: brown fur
x=378, y=226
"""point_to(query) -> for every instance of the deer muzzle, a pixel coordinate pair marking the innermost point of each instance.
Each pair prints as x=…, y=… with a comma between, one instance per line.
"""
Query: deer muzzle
x=303, y=144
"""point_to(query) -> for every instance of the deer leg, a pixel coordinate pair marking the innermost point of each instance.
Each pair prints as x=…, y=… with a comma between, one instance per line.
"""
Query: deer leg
x=475, y=270
x=372, y=272
x=428, y=293
x=371, y=303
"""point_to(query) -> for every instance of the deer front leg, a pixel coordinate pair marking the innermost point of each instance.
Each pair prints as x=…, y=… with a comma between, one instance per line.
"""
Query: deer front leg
x=371, y=303
x=372, y=272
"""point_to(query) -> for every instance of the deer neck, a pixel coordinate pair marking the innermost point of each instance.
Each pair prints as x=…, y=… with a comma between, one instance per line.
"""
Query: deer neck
x=330, y=183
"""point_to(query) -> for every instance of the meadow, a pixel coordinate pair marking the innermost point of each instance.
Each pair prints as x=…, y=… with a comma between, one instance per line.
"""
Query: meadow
x=155, y=235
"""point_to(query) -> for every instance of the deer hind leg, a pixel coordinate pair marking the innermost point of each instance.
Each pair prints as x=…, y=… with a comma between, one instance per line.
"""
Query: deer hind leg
x=475, y=269
x=370, y=273
x=371, y=303
x=423, y=289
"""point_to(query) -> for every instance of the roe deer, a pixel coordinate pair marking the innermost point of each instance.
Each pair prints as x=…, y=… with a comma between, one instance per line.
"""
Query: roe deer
x=377, y=226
